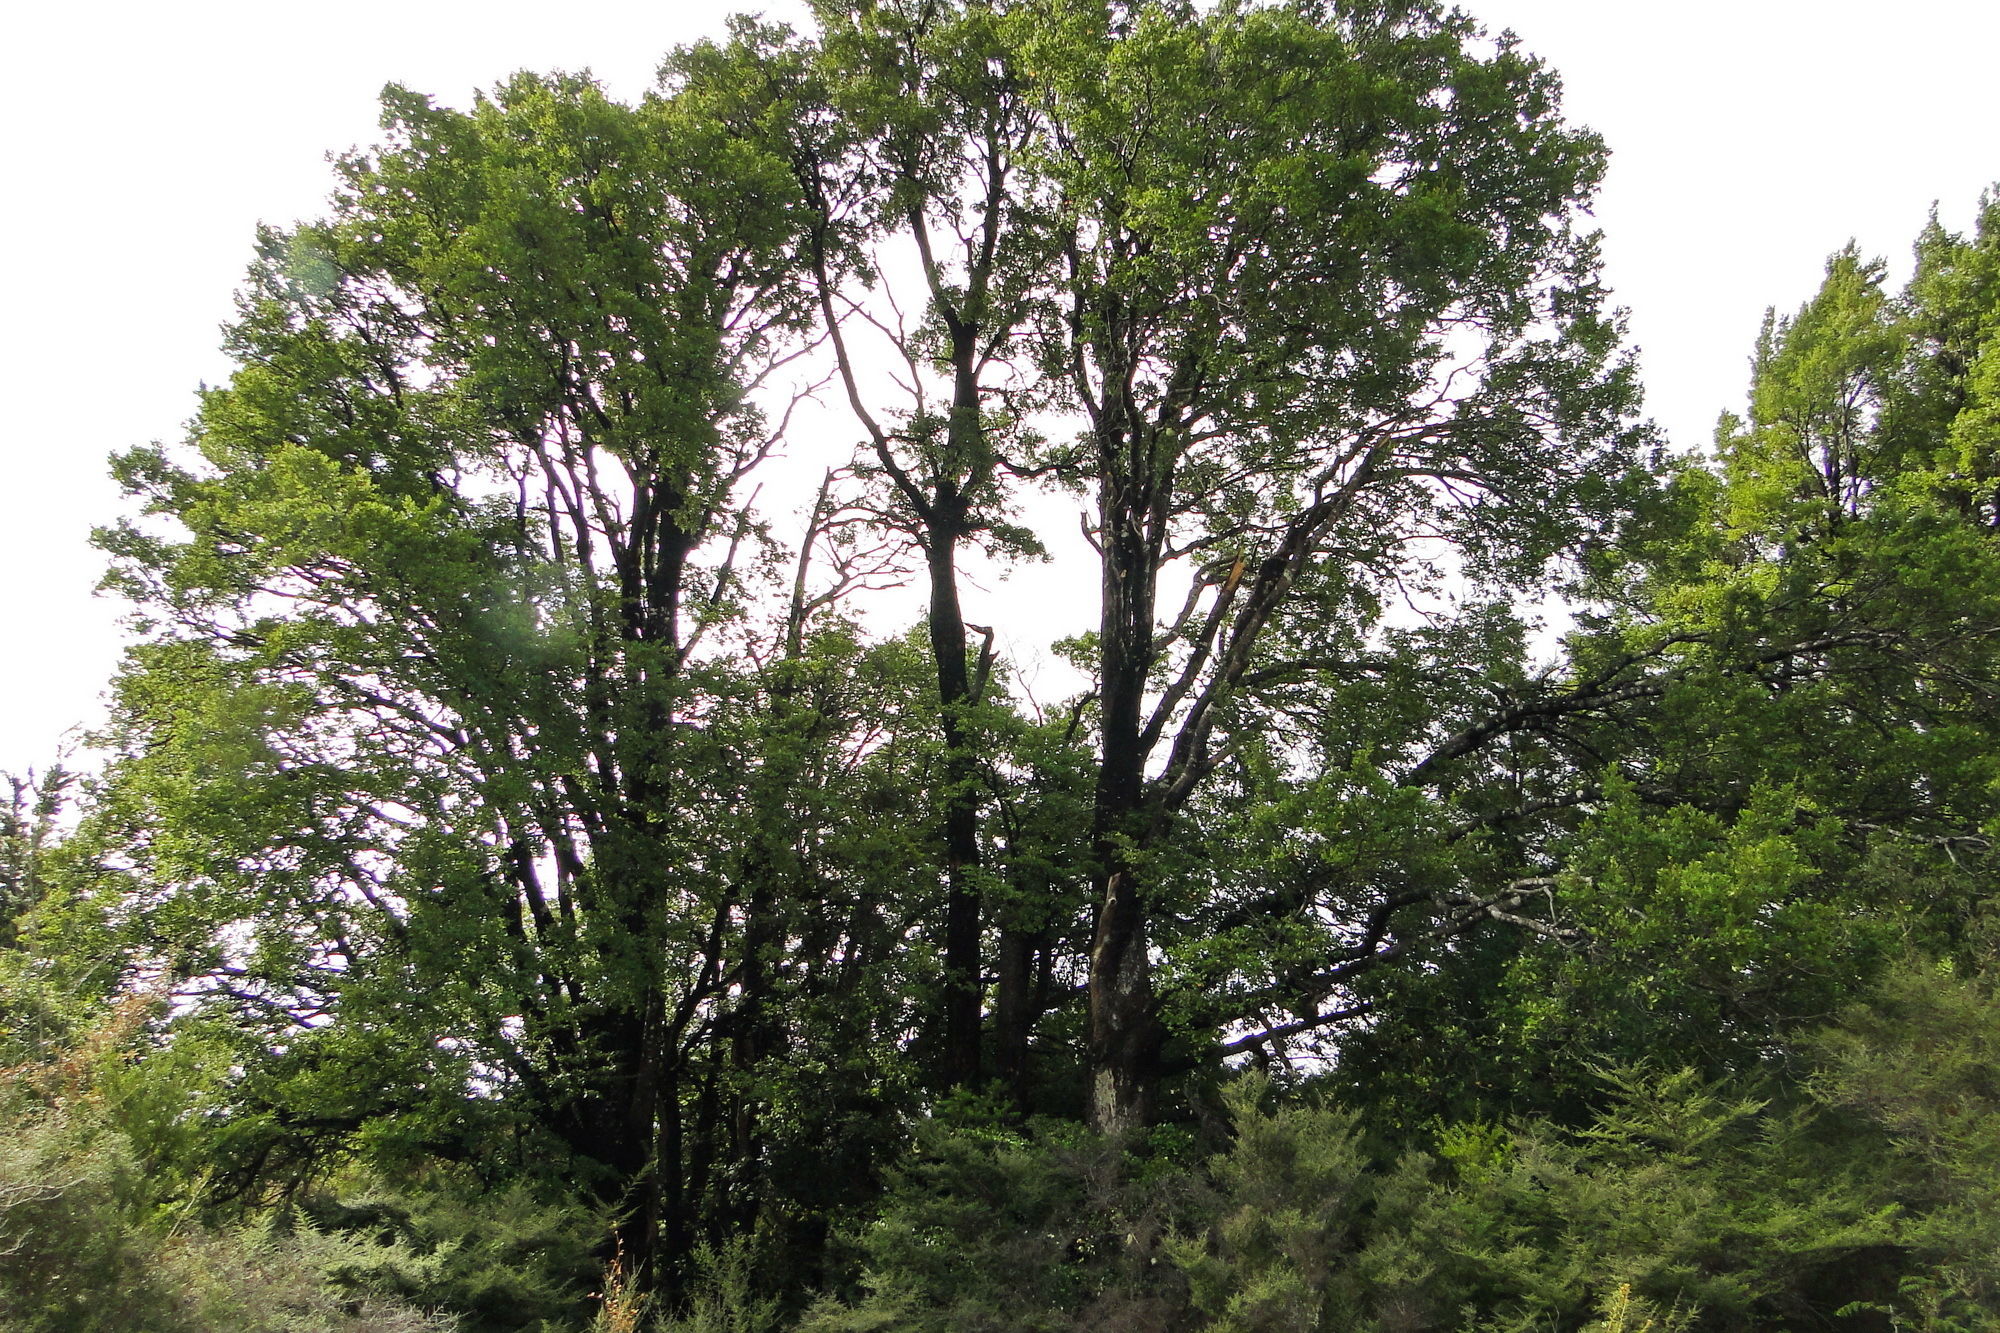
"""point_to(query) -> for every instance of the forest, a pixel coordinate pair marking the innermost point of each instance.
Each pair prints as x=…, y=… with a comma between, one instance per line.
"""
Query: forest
x=568, y=856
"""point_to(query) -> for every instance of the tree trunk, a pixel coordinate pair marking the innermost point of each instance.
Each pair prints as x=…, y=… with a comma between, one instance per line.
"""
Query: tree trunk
x=1014, y=1011
x=1124, y=1030
x=1124, y=1049
x=616, y=1122
x=960, y=1001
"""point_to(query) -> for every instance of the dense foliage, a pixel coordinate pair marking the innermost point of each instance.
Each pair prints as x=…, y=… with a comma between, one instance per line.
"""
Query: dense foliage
x=538, y=881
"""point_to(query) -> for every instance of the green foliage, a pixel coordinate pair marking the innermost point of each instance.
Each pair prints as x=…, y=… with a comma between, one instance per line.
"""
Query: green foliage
x=89, y=1241
x=1682, y=1206
x=1918, y=1064
x=1765, y=762
x=526, y=888
x=499, y=1260
x=1295, y=1186
x=729, y=1295
x=1666, y=1196
x=991, y=1227
x=28, y=833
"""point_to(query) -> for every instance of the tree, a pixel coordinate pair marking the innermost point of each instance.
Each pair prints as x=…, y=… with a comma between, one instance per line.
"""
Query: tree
x=1312, y=322
x=929, y=139
x=507, y=789
x=426, y=701
x=1766, y=764
x=1305, y=282
x=28, y=833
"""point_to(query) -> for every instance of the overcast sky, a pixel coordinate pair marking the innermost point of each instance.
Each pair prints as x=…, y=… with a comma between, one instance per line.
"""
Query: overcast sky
x=144, y=142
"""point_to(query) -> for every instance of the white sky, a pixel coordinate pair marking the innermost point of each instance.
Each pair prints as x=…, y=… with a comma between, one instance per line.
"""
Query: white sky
x=145, y=141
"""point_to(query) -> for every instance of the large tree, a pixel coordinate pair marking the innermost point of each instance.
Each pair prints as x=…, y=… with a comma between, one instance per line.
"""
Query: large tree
x=1294, y=292
x=485, y=732
x=1765, y=763
x=1332, y=331
x=438, y=700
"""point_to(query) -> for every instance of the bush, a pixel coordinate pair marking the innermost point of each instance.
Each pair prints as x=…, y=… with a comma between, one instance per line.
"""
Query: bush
x=991, y=1228
x=1683, y=1207
x=502, y=1260
x=87, y=1244
x=1920, y=1066
x=82, y=1252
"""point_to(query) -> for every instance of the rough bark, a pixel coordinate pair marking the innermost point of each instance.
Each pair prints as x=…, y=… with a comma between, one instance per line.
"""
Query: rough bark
x=962, y=989
x=1125, y=1035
